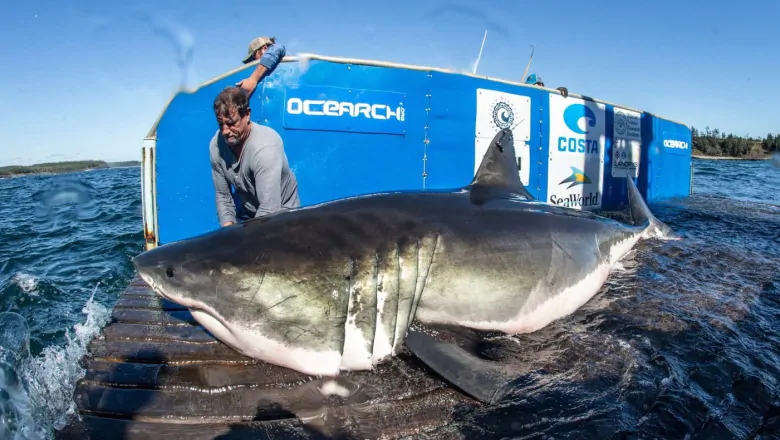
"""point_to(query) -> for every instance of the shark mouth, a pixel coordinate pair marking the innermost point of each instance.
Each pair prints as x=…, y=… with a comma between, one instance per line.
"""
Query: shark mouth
x=198, y=309
x=248, y=341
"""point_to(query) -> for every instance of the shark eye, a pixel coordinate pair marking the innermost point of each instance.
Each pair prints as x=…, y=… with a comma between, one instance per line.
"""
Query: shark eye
x=169, y=272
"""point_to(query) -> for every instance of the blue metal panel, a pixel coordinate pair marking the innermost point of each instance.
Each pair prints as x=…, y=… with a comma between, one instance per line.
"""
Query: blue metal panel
x=353, y=157
x=185, y=192
x=466, y=113
x=344, y=109
x=450, y=136
x=670, y=163
x=543, y=147
x=648, y=144
x=437, y=124
x=613, y=190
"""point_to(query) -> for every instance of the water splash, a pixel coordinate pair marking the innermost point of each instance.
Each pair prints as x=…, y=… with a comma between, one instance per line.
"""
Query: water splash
x=26, y=282
x=16, y=419
x=66, y=198
x=448, y=10
x=304, y=61
x=36, y=394
x=179, y=37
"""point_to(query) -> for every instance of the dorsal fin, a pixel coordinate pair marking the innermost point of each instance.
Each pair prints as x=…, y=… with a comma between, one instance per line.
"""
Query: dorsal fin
x=498, y=171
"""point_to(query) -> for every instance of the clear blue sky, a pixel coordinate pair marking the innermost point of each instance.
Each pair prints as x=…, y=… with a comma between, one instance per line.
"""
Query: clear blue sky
x=86, y=79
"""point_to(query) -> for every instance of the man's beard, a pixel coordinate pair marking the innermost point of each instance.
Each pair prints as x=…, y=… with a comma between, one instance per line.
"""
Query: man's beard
x=232, y=141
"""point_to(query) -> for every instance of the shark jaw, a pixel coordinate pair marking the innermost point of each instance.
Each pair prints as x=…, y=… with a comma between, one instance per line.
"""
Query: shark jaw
x=250, y=341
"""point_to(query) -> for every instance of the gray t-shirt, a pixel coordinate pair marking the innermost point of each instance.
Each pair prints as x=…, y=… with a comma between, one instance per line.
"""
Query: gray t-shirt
x=261, y=177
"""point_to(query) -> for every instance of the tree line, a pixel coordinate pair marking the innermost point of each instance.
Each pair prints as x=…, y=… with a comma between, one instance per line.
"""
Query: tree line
x=52, y=167
x=713, y=142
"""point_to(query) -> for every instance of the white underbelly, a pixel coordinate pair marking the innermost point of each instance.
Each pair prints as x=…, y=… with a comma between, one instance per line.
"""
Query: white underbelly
x=491, y=298
x=254, y=344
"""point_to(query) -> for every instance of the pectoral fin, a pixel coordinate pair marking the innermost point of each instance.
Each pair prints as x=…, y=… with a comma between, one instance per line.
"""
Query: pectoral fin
x=483, y=380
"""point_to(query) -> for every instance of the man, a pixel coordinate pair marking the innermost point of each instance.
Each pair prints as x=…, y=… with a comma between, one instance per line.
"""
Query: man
x=249, y=157
x=270, y=55
x=537, y=81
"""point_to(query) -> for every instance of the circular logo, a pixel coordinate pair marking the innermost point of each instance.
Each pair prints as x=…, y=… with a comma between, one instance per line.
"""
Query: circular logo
x=620, y=122
x=503, y=116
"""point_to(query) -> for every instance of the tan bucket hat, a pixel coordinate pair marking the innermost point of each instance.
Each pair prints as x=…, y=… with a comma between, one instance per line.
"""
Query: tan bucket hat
x=254, y=45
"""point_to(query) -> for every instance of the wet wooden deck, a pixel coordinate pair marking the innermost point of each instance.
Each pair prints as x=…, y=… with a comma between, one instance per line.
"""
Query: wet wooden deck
x=155, y=373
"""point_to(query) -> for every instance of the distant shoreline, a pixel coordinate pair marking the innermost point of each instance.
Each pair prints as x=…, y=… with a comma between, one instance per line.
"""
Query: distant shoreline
x=51, y=168
x=702, y=156
x=77, y=166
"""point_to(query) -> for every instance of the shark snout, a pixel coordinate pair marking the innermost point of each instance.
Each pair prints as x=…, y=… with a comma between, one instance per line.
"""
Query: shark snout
x=156, y=272
x=175, y=275
x=145, y=265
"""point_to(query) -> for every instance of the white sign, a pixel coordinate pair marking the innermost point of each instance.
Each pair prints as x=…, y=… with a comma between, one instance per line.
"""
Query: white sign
x=576, y=152
x=499, y=110
x=626, y=143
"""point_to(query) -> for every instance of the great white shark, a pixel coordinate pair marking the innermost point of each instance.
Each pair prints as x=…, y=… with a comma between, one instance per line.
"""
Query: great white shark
x=336, y=286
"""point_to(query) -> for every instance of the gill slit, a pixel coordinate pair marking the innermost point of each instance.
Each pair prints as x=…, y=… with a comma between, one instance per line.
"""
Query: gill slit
x=427, y=276
x=378, y=317
x=398, y=293
x=348, y=283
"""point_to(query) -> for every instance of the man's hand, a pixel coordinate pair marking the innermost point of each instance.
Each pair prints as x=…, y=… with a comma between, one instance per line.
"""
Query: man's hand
x=564, y=91
x=248, y=84
x=226, y=224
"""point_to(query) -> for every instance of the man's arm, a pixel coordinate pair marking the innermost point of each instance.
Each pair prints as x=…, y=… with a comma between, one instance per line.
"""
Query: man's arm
x=267, y=166
x=226, y=208
x=268, y=62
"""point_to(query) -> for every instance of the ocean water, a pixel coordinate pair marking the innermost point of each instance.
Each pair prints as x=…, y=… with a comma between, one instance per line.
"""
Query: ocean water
x=683, y=343
x=65, y=247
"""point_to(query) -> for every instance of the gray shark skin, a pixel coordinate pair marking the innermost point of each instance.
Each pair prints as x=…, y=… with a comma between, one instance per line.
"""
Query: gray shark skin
x=336, y=286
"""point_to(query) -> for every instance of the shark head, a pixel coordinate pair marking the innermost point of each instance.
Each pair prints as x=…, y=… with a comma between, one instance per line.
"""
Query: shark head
x=232, y=273
x=181, y=272
x=215, y=282
x=257, y=288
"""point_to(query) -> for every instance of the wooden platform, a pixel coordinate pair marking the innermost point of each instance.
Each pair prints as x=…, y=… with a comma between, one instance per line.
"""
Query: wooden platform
x=155, y=373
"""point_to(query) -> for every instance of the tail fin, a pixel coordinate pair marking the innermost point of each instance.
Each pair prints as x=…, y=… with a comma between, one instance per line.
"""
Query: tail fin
x=640, y=213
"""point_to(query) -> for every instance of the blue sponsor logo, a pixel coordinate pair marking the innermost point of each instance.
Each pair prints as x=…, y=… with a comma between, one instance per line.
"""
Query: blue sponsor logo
x=572, y=117
x=574, y=113
x=503, y=115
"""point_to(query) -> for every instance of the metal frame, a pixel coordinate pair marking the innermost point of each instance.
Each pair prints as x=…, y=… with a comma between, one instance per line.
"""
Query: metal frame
x=149, y=192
